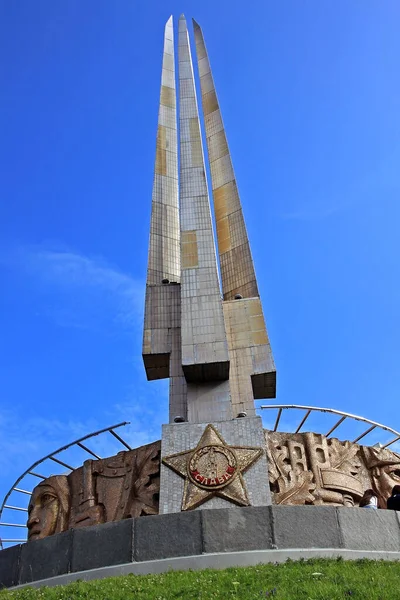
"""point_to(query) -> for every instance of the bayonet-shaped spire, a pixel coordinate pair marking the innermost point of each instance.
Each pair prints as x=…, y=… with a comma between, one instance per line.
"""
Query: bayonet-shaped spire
x=164, y=254
x=204, y=345
x=237, y=270
x=162, y=319
x=252, y=373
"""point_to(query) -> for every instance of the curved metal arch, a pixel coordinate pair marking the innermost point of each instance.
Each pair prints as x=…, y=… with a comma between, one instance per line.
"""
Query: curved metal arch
x=51, y=456
x=343, y=416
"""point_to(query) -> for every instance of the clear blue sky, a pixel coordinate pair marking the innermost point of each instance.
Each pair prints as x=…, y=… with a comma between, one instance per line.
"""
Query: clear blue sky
x=310, y=95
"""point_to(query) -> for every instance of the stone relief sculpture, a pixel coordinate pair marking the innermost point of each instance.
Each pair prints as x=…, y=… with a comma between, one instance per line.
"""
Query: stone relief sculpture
x=304, y=468
x=308, y=468
x=49, y=506
x=122, y=486
x=384, y=467
x=115, y=488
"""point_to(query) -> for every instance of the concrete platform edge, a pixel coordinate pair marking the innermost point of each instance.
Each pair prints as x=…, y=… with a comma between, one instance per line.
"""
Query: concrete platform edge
x=211, y=561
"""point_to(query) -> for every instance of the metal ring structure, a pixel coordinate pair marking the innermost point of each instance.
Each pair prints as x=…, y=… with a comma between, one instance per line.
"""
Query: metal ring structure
x=342, y=417
x=26, y=493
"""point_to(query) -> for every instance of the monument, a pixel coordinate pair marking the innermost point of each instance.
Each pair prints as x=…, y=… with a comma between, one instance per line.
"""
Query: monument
x=207, y=335
x=215, y=350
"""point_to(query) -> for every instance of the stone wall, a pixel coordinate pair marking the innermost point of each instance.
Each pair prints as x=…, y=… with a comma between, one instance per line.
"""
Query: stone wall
x=198, y=533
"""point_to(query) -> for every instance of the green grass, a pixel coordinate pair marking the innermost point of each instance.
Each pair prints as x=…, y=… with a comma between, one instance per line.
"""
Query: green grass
x=317, y=579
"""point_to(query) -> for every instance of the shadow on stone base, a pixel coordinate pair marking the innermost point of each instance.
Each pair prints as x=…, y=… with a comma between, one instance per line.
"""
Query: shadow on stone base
x=152, y=540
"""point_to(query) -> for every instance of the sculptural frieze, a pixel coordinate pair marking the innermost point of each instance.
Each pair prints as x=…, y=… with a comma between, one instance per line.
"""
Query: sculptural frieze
x=308, y=468
x=110, y=489
x=304, y=468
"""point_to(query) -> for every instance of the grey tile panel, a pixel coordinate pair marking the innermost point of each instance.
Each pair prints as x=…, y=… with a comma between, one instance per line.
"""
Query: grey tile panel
x=306, y=526
x=364, y=528
x=166, y=536
x=102, y=545
x=46, y=558
x=237, y=529
x=9, y=566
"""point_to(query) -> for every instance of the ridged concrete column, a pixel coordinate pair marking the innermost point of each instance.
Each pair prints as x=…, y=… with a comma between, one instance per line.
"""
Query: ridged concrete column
x=205, y=357
x=252, y=373
x=161, y=340
x=164, y=254
x=237, y=270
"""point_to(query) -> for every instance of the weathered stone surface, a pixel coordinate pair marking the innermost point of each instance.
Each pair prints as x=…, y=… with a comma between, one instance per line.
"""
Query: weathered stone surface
x=102, y=545
x=48, y=557
x=9, y=566
x=397, y=513
x=119, y=487
x=195, y=533
x=310, y=468
x=367, y=529
x=165, y=536
x=306, y=527
x=236, y=529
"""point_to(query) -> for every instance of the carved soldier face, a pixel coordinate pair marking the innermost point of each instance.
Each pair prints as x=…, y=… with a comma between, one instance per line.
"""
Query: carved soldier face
x=385, y=478
x=384, y=469
x=48, y=508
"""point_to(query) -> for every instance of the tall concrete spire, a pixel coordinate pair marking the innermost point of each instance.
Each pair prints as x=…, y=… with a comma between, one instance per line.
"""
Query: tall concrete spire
x=237, y=270
x=215, y=352
x=205, y=356
x=162, y=323
x=252, y=373
x=164, y=255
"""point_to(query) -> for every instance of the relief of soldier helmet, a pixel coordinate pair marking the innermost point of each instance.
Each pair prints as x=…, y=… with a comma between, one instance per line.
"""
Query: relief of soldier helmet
x=384, y=467
x=48, y=508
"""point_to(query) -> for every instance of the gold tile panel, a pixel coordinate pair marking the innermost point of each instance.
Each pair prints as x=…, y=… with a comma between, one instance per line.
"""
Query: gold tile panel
x=194, y=128
x=237, y=268
x=223, y=235
x=161, y=152
x=218, y=147
x=210, y=103
x=196, y=152
x=226, y=199
x=260, y=338
x=220, y=202
x=188, y=236
x=189, y=250
x=257, y=323
x=206, y=83
x=195, y=143
x=254, y=308
x=245, y=325
x=147, y=341
x=167, y=97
